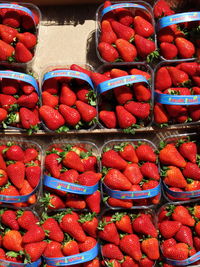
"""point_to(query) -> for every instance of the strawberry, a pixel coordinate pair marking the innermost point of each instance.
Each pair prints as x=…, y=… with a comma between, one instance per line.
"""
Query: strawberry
x=26, y=87
x=6, y=51
x=145, y=152
x=76, y=231
x=89, y=224
x=124, y=16
x=6, y=101
x=67, y=96
x=169, y=228
x=197, y=242
x=181, y=214
x=177, y=252
x=9, y=190
x=28, y=39
x=89, y=162
x=166, y=35
x=112, y=251
x=133, y=173
x=108, y=52
x=123, y=94
x=144, y=46
x=88, y=244
x=22, y=54
x=52, y=202
x=141, y=92
x=74, y=201
x=87, y=112
x=115, y=73
x=89, y=178
x=127, y=152
x=170, y=155
x=112, y=159
x=113, y=263
x=144, y=225
x=140, y=72
x=108, y=118
x=139, y=110
x=52, y=118
x=3, y=178
x=35, y=250
x=125, y=203
x=161, y=9
x=33, y=175
x=192, y=185
x=28, y=120
x=107, y=33
x=178, y=77
x=129, y=262
x=168, y=50
x=52, y=164
x=197, y=230
x=122, y=222
x=12, y=19
x=70, y=248
x=195, y=211
x=2, y=254
x=26, y=219
x=184, y=235
x=53, y=249
x=150, y=170
x=192, y=170
x=142, y=27
x=194, y=112
x=28, y=101
x=71, y=115
x=72, y=160
x=8, y=218
x=130, y=245
x=10, y=86
x=126, y=50
x=52, y=230
x=174, y=177
x=122, y=31
x=16, y=173
x=7, y=33
x=108, y=232
x=116, y=180
x=79, y=68
x=49, y=99
x=3, y=114
x=125, y=118
x=163, y=79
x=51, y=86
x=93, y=201
x=98, y=78
x=12, y=240
x=189, y=67
x=14, y=152
x=34, y=234
x=146, y=262
x=185, y=48
x=69, y=176
x=150, y=247
x=167, y=244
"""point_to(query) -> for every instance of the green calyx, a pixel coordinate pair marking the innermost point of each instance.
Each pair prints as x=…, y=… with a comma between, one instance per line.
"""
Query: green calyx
x=153, y=56
x=87, y=217
x=118, y=216
x=131, y=129
x=92, y=97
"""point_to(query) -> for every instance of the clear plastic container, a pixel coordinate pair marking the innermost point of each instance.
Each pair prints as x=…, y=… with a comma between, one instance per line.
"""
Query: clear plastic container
x=24, y=144
x=65, y=67
x=146, y=5
x=111, y=144
x=32, y=8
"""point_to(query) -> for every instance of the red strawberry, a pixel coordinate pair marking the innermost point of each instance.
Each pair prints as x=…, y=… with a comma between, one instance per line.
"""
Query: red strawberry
x=127, y=152
x=87, y=112
x=89, y=178
x=122, y=31
x=33, y=175
x=174, y=177
x=98, y=78
x=108, y=52
x=189, y=67
x=71, y=115
x=12, y=18
x=163, y=79
x=144, y=46
x=53, y=202
x=15, y=152
x=16, y=173
x=73, y=161
x=192, y=170
x=144, y=225
x=186, y=48
x=170, y=155
x=22, y=54
x=67, y=96
x=150, y=170
x=133, y=173
x=184, y=235
x=49, y=99
x=130, y=245
x=28, y=119
x=145, y=153
x=166, y=35
x=26, y=219
x=112, y=251
x=89, y=162
x=93, y=201
x=141, y=92
x=169, y=228
x=143, y=27
x=52, y=118
x=129, y=262
x=115, y=73
x=74, y=201
x=177, y=252
x=79, y=68
x=35, y=250
x=126, y=50
x=3, y=178
x=124, y=16
x=3, y=114
x=146, y=262
x=52, y=229
x=51, y=86
x=125, y=203
x=123, y=94
x=194, y=111
x=9, y=190
x=70, y=248
x=150, y=247
x=182, y=215
x=108, y=232
x=178, y=77
x=28, y=101
x=122, y=222
x=7, y=33
x=139, y=110
x=34, y=234
x=116, y=180
x=12, y=240
x=161, y=9
x=108, y=118
x=53, y=249
x=30, y=154
x=168, y=50
x=28, y=39
x=140, y=72
x=6, y=51
x=125, y=118
x=26, y=88
x=69, y=176
x=107, y=33
x=88, y=244
x=8, y=218
x=52, y=164
x=10, y=86
x=112, y=159
x=89, y=224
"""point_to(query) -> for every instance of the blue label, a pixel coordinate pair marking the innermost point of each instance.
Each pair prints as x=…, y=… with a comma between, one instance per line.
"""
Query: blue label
x=116, y=82
x=190, y=194
x=68, y=73
x=116, y=6
x=75, y=259
x=177, y=18
x=186, y=262
x=18, y=7
x=16, y=264
x=20, y=76
x=177, y=99
x=133, y=194
x=69, y=187
x=17, y=199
